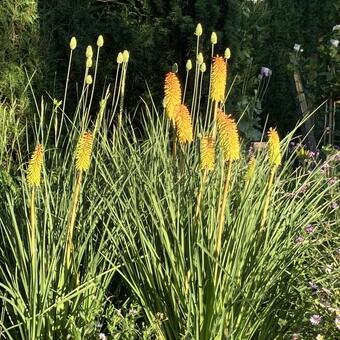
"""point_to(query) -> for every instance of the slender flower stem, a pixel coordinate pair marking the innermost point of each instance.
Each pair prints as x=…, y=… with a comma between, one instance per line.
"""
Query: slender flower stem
x=114, y=93
x=266, y=205
x=200, y=194
x=33, y=222
x=215, y=120
x=221, y=218
x=67, y=79
x=185, y=86
x=94, y=78
x=33, y=259
x=209, y=101
x=72, y=219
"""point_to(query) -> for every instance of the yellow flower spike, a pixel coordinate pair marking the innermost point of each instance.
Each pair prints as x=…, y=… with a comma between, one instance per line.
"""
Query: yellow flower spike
x=119, y=58
x=173, y=97
x=251, y=168
x=89, y=52
x=34, y=166
x=73, y=43
x=274, y=151
x=218, y=79
x=229, y=137
x=83, y=151
x=188, y=65
x=213, y=38
x=89, y=62
x=207, y=153
x=184, y=125
x=199, y=30
x=100, y=41
x=89, y=80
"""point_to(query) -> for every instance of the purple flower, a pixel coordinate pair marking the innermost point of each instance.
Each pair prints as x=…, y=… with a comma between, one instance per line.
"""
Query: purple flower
x=266, y=72
x=334, y=205
x=315, y=319
x=332, y=180
x=303, y=189
x=314, y=287
x=299, y=239
x=325, y=167
x=309, y=229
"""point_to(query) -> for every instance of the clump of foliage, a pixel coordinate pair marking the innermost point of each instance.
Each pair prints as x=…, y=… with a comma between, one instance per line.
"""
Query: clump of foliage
x=206, y=237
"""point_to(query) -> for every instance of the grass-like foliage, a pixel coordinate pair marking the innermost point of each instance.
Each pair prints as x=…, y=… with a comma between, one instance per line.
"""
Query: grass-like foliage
x=205, y=236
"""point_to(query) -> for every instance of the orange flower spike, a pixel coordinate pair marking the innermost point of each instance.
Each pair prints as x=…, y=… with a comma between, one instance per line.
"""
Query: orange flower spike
x=184, y=125
x=173, y=97
x=218, y=79
x=229, y=137
x=35, y=165
x=207, y=153
x=274, y=148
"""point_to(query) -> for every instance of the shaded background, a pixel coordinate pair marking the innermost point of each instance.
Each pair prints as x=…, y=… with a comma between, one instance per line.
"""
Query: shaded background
x=35, y=37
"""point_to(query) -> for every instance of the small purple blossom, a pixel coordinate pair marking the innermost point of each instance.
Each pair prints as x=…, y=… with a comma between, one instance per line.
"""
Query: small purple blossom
x=332, y=180
x=309, y=229
x=315, y=319
x=334, y=205
x=303, y=189
x=325, y=167
x=266, y=72
x=314, y=287
x=299, y=239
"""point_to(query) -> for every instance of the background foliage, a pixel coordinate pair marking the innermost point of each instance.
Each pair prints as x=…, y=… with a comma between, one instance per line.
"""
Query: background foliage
x=158, y=33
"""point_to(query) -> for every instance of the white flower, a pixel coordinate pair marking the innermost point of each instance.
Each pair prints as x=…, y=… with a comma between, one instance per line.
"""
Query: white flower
x=336, y=28
x=337, y=322
x=297, y=47
x=334, y=42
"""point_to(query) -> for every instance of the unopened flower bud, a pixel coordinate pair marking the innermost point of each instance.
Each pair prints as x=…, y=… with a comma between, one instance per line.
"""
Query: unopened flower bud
x=203, y=67
x=88, y=80
x=227, y=53
x=119, y=58
x=213, y=38
x=188, y=65
x=100, y=41
x=89, y=52
x=126, y=56
x=199, y=30
x=199, y=59
x=89, y=62
x=73, y=43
